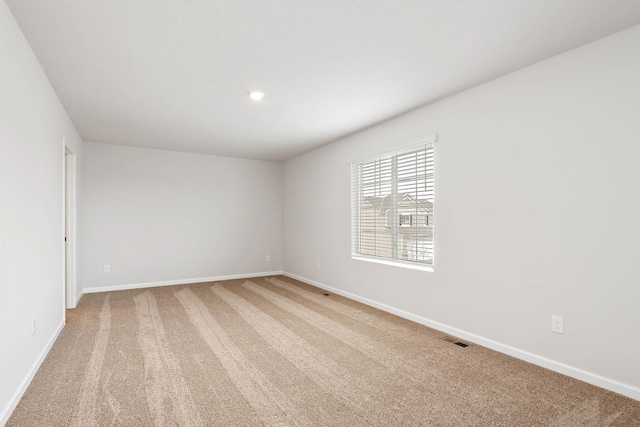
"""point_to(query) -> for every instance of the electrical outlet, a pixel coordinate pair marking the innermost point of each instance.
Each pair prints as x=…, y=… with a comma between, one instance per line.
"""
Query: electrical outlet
x=317, y=265
x=107, y=269
x=268, y=258
x=33, y=327
x=557, y=324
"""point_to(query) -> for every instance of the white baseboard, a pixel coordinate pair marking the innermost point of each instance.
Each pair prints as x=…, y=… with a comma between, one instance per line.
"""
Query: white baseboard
x=177, y=282
x=562, y=368
x=79, y=296
x=17, y=395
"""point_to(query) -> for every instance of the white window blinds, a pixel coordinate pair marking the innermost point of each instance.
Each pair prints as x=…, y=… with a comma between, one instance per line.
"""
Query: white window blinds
x=392, y=206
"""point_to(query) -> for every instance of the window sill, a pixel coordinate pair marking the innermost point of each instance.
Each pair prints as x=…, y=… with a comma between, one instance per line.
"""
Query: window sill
x=401, y=264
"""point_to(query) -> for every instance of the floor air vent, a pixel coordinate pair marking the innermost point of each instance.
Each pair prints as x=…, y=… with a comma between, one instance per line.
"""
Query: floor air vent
x=455, y=341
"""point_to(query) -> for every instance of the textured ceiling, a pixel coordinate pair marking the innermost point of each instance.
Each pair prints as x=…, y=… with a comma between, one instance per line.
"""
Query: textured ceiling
x=174, y=74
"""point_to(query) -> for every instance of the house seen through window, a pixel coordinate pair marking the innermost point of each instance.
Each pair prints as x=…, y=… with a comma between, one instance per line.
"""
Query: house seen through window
x=392, y=207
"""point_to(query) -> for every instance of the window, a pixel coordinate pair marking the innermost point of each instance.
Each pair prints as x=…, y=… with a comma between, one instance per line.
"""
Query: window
x=392, y=207
x=405, y=220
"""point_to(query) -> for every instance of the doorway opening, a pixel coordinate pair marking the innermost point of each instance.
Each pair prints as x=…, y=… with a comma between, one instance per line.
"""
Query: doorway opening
x=69, y=227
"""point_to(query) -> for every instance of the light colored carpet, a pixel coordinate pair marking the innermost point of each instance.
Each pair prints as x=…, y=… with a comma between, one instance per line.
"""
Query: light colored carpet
x=274, y=352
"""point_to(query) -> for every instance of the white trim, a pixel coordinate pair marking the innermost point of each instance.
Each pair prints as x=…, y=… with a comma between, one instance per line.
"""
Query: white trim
x=404, y=147
x=17, y=395
x=64, y=223
x=69, y=200
x=598, y=380
x=79, y=296
x=91, y=290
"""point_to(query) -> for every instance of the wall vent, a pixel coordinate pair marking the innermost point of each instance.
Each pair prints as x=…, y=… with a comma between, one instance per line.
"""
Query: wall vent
x=455, y=341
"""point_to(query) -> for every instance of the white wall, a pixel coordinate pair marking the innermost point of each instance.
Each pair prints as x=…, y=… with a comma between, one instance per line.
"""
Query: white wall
x=537, y=204
x=157, y=216
x=32, y=126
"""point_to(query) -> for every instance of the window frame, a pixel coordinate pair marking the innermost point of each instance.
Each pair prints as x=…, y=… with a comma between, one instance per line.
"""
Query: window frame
x=405, y=216
x=356, y=208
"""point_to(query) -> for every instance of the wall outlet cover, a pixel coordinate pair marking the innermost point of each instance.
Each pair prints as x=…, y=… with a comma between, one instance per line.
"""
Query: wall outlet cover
x=557, y=324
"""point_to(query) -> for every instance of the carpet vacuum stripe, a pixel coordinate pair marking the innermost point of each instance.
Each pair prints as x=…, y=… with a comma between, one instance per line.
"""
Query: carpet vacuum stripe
x=168, y=395
x=271, y=405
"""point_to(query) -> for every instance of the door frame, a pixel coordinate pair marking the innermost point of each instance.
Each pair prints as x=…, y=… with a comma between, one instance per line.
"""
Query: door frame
x=69, y=225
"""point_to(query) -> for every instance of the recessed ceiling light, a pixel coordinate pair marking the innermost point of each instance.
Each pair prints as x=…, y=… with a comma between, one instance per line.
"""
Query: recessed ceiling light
x=256, y=95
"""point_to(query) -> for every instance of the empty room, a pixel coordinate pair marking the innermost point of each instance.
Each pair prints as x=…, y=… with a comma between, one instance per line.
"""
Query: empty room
x=335, y=213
